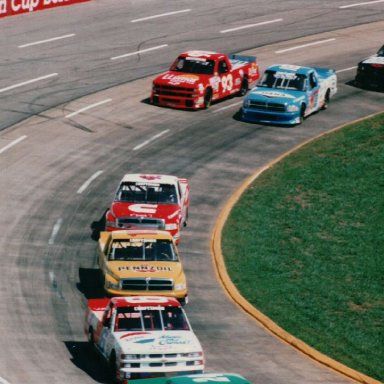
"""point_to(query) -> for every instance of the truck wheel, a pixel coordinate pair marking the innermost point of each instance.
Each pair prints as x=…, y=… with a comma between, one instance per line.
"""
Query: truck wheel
x=115, y=377
x=326, y=100
x=208, y=98
x=302, y=113
x=244, y=88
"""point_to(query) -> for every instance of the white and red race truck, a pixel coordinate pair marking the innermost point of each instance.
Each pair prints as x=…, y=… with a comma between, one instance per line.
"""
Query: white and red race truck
x=150, y=201
x=141, y=336
x=197, y=78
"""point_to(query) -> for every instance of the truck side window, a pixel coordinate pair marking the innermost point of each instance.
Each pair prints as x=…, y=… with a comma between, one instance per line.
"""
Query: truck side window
x=223, y=67
x=312, y=80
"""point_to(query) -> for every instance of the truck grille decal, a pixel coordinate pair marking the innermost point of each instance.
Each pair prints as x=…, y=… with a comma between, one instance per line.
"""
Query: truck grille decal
x=266, y=106
x=147, y=284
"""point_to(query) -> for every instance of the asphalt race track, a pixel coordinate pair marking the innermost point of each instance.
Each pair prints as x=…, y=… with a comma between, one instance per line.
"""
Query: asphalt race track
x=68, y=136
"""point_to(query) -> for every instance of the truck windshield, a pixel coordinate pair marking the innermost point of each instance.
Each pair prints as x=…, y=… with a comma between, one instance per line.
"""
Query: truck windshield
x=283, y=80
x=147, y=193
x=193, y=65
x=151, y=319
x=142, y=249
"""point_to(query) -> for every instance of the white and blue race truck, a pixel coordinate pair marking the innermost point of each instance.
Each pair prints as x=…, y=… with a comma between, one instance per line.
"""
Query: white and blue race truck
x=286, y=94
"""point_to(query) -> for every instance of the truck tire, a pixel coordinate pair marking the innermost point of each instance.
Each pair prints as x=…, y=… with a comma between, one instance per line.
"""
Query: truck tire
x=326, y=99
x=207, y=98
x=113, y=369
x=302, y=113
x=244, y=87
x=91, y=342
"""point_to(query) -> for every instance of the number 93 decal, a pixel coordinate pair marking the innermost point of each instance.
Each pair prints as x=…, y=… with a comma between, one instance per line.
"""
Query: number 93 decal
x=227, y=83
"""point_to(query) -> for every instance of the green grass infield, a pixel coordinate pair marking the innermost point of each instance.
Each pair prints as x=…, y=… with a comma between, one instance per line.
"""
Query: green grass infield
x=305, y=245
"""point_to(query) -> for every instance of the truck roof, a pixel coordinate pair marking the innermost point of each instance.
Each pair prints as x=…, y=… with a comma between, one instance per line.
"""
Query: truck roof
x=203, y=55
x=229, y=378
x=290, y=68
x=140, y=233
x=155, y=178
x=133, y=301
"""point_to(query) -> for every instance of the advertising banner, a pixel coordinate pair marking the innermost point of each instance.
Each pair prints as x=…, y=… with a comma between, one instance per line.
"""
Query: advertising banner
x=16, y=7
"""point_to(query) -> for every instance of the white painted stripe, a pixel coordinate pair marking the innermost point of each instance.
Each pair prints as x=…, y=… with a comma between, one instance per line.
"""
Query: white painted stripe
x=359, y=4
x=3, y=381
x=227, y=107
x=138, y=52
x=28, y=82
x=12, y=143
x=346, y=69
x=47, y=40
x=305, y=45
x=251, y=25
x=150, y=140
x=55, y=231
x=88, y=107
x=89, y=181
x=160, y=15
x=52, y=277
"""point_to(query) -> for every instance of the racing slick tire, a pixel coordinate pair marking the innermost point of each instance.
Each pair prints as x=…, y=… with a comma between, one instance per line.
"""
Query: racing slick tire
x=112, y=368
x=302, y=113
x=326, y=99
x=207, y=98
x=244, y=87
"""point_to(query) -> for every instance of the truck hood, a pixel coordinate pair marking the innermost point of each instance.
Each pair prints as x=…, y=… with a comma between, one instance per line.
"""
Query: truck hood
x=158, y=342
x=180, y=79
x=166, y=211
x=142, y=269
x=277, y=95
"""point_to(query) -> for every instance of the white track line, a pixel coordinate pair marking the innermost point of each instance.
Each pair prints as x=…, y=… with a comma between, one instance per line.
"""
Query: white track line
x=47, y=40
x=88, y=107
x=55, y=231
x=28, y=82
x=360, y=4
x=150, y=140
x=305, y=45
x=12, y=143
x=346, y=69
x=3, y=381
x=138, y=52
x=160, y=15
x=228, y=106
x=251, y=25
x=89, y=181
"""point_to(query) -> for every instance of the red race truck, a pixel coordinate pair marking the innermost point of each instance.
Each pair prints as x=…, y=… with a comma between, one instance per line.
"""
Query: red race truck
x=197, y=78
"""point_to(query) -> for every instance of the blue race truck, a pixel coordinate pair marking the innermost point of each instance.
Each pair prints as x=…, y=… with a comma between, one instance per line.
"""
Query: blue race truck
x=286, y=94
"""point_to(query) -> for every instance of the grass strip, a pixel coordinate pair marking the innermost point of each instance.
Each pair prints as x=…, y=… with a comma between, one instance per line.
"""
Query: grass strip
x=305, y=244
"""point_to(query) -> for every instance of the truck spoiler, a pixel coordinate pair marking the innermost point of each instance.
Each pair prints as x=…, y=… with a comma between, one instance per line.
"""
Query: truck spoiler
x=98, y=304
x=324, y=72
x=248, y=59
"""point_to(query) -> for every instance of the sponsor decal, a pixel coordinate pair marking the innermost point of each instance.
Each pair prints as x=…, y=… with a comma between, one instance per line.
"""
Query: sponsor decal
x=181, y=79
x=144, y=268
x=150, y=177
x=134, y=335
x=274, y=94
x=172, y=340
x=215, y=82
x=143, y=208
x=15, y=7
